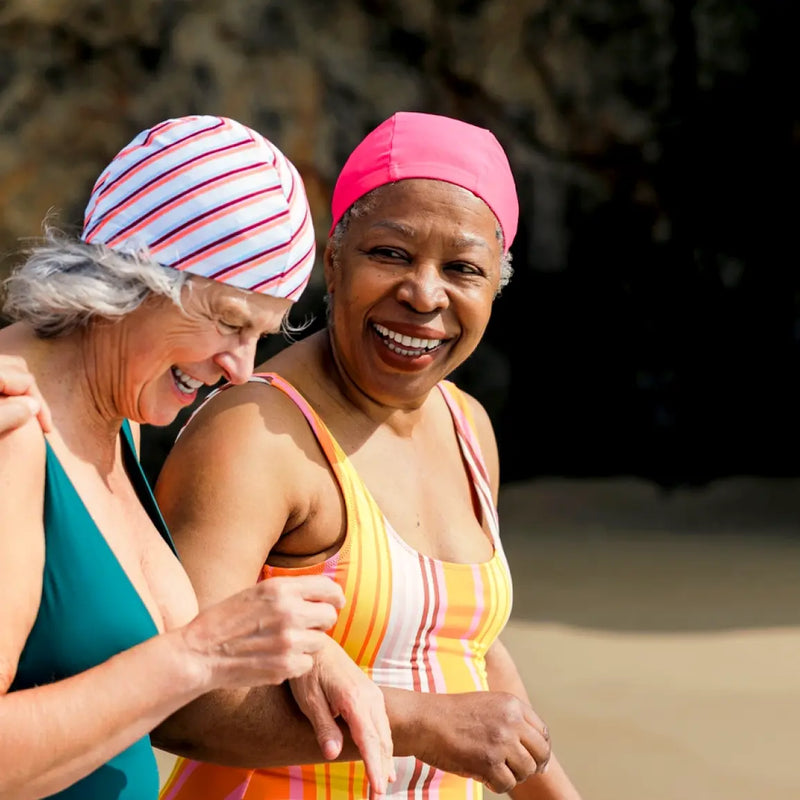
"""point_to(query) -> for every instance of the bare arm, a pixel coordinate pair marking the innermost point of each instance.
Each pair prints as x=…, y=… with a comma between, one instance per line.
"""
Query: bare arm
x=503, y=676
x=55, y=734
x=228, y=490
x=553, y=783
x=235, y=480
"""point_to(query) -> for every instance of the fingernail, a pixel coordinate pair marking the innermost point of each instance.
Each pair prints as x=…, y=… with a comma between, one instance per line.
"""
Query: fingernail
x=330, y=749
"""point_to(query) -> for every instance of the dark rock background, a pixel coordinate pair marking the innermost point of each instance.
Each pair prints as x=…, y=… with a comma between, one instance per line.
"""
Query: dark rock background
x=652, y=328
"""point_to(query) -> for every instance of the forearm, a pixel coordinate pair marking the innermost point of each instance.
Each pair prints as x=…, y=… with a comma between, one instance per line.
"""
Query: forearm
x=554, y=784
x=263, y=727
x=55, y=734
x=257, y=728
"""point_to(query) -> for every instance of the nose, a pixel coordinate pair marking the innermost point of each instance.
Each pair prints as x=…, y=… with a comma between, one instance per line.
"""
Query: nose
x=237, y=362
x=423, y=288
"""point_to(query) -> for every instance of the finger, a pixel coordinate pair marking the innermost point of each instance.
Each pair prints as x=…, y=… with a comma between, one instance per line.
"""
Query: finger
x=384, y=729
x=318, y=588
x=329, y=735
x=14, y=377
x=16, y=411
x=318, y=616
x=373, y=752
x=534, y=720
x=43, y=415
x=521, y=764
x=276, y=602
x=537, y=740
x=16, y=380
x=298, y=666
x=501, y=781
x=538, y=748
x=322, y=589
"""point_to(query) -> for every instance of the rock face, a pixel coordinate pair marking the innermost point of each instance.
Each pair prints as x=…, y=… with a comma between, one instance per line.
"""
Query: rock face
x=652, y=325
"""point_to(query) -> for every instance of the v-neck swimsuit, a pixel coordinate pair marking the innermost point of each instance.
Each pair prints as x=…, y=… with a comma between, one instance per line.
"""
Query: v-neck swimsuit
x=90, y=611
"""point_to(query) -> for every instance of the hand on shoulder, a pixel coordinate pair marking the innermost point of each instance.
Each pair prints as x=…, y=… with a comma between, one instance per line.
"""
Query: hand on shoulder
x=20, y=398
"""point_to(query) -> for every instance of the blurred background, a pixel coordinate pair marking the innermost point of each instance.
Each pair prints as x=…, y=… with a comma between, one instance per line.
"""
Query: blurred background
x=643, y=366
x=653, y=325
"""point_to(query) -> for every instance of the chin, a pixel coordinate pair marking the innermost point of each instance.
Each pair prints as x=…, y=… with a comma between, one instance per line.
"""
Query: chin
x=160, y=418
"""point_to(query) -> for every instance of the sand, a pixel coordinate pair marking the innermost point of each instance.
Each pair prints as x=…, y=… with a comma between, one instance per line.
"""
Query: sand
x=658, y=633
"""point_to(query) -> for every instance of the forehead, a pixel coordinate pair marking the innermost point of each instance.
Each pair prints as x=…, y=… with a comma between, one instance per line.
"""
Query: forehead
x=243, y=306
x=432, y=203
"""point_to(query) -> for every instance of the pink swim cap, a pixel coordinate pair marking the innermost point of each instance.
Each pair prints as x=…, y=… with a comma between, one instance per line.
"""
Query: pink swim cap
x=210, y=196
x=414, y=145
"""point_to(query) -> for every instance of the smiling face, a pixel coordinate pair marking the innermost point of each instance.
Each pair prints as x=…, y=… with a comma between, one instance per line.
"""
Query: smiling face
x=163, y=355
x=411, y=284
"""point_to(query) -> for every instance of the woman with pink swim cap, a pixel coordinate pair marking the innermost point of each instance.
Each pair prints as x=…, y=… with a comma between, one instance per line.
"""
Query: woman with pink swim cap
x=196, y=241
x=351, y=454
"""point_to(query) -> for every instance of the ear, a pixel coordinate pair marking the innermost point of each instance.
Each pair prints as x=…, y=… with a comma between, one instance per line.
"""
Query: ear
x=329, y=266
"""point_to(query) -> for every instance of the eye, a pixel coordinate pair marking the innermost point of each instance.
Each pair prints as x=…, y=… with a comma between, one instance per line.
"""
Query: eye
x=465, y=268
x=388, y=253
x=227, y=327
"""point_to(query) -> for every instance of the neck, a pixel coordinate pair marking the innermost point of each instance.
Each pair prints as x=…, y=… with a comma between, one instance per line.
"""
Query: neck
x=402, y=419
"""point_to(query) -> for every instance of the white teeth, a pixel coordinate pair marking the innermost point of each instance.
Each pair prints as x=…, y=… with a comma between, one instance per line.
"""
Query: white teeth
x=186, y=383
x=407, y=341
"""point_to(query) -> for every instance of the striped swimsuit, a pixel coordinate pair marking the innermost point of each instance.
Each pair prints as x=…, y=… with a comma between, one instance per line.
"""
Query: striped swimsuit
x=422, y=624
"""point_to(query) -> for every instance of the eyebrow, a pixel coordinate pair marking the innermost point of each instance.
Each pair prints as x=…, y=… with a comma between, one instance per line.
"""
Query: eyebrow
x=234, y=309
x=460, y=242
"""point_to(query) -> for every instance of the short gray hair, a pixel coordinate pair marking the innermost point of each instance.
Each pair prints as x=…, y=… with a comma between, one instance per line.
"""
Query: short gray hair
x=365, y=204
x=65, y=282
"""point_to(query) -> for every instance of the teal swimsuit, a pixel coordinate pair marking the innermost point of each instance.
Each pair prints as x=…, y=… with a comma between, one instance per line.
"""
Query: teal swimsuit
x=90, y=611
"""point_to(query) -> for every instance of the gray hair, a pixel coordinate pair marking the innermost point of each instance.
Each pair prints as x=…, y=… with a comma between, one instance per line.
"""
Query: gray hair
x=366, y=203
x=65, y=282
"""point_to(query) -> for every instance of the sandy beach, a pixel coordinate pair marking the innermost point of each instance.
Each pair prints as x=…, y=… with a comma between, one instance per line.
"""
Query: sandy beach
x=658, y=633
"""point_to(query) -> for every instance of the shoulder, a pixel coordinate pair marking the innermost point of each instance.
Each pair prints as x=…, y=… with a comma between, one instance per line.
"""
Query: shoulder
x=22, y=478
x=22, y=454
x=473, y=409
x=481, y=424
x=242, y=439
x=242, y=414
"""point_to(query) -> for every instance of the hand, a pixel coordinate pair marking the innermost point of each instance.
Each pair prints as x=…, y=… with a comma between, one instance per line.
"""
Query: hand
x=19, y=396
x=493, y=737
x=264, y=634
x=336, y=687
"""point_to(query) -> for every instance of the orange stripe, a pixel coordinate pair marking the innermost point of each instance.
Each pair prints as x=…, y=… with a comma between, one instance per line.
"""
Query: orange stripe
x=230, y=242
x=170, y=207
x=139, y=195
x=122, y=153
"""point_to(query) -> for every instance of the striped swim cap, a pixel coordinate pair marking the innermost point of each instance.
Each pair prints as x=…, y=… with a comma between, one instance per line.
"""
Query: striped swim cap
x=210, y=196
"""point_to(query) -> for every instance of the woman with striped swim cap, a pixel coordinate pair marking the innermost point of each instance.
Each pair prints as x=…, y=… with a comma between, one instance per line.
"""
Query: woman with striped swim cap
x=197, y=240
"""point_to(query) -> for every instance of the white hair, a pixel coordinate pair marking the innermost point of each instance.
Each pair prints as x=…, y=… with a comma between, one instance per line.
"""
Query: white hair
x=365, y=204
x=65, y=282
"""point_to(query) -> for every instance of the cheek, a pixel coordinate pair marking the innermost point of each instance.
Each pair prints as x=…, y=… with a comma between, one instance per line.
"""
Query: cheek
x=479, y=314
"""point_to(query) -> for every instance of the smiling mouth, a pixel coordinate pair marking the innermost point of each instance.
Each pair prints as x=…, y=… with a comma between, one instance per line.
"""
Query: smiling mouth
x=185, y=383
x=406, y=345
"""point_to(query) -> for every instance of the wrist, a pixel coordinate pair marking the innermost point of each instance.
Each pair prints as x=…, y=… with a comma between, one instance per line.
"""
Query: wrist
x=185, y=666
x=404, y=709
